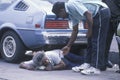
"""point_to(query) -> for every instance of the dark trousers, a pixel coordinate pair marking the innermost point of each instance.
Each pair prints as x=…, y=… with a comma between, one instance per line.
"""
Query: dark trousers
x=97, y=43
x=72, y=60
x=112, y=30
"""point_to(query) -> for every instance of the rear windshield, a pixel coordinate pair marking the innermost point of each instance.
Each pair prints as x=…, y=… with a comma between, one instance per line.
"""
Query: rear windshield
x=4, y=4
x=40, y=1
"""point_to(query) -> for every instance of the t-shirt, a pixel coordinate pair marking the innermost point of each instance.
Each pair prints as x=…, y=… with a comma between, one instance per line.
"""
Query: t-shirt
x=77, y=8
x=54, y=56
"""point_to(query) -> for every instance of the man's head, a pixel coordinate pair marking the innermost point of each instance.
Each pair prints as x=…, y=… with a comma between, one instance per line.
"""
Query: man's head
x=59, y=10
x=37, y=58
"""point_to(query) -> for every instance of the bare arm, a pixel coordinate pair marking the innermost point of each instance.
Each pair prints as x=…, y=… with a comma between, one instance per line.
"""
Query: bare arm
x=59, y=66
x=71, y=41
x=89, y=20
x=73, y=35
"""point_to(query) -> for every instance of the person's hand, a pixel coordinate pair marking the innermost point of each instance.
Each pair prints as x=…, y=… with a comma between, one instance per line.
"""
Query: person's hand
x=66, y=50
x=89, y=23
x=49, y=67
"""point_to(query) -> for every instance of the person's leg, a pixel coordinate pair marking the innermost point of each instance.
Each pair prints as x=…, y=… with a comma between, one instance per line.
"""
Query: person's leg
x=69, y=64
x=74, y=58
x=94, y=40
x=111, y=32
x=88, y=54
x=91, y=48
x=99, y=39
x=98, y=43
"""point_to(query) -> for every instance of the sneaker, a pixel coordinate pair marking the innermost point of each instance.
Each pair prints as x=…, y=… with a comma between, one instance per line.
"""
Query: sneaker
x=81, y=67
x=90, y=70
x=76, y=69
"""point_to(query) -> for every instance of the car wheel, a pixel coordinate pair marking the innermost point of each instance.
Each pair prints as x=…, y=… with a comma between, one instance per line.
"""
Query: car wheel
x=12, y=48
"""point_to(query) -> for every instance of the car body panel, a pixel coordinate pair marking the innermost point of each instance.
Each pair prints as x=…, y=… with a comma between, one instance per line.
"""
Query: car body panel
x=23, y=21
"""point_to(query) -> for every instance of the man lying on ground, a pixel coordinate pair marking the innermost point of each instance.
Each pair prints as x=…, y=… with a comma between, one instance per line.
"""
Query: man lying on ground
x=52, y=60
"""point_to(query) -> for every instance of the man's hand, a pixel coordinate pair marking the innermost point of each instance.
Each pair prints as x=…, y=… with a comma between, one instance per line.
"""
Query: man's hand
x=73, y=37
x=89, y=20
x=66, y=50
x=49, y=67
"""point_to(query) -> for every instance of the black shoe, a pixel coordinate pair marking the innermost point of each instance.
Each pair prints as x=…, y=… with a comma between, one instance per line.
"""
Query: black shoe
x=103, y=69
x=118, y=71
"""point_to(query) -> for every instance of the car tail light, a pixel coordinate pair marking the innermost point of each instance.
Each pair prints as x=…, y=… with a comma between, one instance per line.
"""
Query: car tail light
x=37, y=25
x=59, y=24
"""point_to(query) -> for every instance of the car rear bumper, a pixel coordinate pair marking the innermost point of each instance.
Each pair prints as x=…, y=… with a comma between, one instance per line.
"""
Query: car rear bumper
x=63, y=39
x=36, y=39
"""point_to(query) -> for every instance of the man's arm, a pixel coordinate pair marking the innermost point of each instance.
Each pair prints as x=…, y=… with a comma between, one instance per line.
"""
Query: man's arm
x=59, y=66
x=73, y=35
x=71, y=41
x=89, y=20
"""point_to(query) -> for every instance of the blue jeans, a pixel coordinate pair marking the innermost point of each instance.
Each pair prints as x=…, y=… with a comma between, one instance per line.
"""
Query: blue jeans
x=72, y=60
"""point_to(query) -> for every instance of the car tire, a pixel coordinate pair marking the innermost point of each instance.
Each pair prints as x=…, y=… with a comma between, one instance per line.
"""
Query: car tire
x=12, y=48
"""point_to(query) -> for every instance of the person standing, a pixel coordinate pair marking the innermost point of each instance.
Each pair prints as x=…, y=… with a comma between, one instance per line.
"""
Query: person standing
x=114, y=6
x=97, y=15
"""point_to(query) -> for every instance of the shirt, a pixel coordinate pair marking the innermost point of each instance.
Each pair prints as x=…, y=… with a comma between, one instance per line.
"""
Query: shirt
x=54, y=56
x=77, y=8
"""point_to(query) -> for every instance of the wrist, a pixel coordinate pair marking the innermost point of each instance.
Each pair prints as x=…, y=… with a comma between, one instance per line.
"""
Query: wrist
x=69, y=45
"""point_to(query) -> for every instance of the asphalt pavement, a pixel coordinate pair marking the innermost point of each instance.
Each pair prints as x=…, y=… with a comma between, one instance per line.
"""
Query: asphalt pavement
x=9, y=71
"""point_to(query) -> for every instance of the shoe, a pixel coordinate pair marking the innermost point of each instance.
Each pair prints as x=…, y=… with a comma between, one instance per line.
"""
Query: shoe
x=76, y=69
x=108, y=65
x=90, y=70
x=81, y=67
x=118, y=71
x=103, y=69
